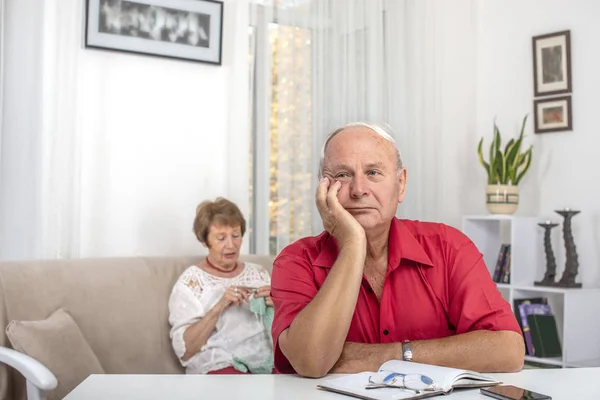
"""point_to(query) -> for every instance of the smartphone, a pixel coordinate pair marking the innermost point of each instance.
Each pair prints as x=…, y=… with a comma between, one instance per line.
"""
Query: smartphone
x=509, y=392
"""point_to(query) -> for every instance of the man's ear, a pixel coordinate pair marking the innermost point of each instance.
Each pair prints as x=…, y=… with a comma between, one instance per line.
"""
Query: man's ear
x=402, y=185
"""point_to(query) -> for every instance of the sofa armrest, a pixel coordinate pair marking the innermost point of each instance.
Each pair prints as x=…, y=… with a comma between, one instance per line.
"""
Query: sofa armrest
x=39, y=378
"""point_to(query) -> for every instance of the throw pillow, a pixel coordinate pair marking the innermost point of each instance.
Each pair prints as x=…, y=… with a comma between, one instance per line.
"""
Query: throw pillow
x=56, y=342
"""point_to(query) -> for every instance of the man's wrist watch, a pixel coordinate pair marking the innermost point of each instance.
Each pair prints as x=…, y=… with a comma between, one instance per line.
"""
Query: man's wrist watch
x=406, y=351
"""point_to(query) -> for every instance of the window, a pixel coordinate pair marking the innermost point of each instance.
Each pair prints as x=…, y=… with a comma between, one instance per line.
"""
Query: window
x=281, y=144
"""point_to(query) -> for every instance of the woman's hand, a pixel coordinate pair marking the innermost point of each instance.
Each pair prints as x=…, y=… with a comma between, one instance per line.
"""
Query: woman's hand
x=234, y=295
x=265, y=291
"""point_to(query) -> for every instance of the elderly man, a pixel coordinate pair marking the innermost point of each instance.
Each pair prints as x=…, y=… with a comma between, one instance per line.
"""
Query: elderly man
x=372, y=287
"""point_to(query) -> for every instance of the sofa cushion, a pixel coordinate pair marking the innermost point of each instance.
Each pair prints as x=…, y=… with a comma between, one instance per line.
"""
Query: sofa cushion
x=56, y=342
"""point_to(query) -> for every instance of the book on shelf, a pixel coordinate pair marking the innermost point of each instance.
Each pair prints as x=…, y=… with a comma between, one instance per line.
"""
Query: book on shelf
x=539, y=327
x=406, y=380
x=502, y=268
x=518, y=302
x=544, y=335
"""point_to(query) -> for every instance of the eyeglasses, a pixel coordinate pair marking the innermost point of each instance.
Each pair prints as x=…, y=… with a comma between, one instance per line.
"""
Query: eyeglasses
x=387, y=379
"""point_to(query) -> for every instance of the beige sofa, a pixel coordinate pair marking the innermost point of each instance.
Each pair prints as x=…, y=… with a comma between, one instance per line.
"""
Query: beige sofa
x=119, y=305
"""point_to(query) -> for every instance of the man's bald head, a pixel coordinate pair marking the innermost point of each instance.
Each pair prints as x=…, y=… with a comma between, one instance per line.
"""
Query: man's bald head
x=383, y=131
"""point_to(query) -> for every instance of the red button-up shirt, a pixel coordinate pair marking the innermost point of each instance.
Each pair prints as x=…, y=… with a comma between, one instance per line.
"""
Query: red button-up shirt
x=436, y=285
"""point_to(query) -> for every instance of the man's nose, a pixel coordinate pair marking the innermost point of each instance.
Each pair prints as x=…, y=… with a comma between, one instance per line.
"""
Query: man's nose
x=358, y=186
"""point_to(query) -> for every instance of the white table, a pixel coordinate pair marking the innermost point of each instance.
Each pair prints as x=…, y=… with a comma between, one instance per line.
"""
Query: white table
x=561, y=384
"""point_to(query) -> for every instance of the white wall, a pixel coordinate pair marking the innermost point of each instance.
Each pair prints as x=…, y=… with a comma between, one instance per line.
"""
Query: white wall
x=563, y=172
x=159, y=136
x=154, y=146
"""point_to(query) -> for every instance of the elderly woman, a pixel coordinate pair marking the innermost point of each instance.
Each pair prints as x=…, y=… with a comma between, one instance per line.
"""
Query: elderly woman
x=214, y=329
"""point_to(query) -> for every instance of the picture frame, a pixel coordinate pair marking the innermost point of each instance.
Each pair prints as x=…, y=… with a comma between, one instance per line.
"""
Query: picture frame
x=183, y=29
x=553, y=114
x=552, y=63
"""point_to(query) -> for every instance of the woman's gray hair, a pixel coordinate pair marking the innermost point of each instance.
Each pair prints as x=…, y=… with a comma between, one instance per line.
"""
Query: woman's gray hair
x=382, y=130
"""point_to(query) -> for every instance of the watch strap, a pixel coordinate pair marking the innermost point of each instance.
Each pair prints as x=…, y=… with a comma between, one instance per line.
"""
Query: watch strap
x=406, y=351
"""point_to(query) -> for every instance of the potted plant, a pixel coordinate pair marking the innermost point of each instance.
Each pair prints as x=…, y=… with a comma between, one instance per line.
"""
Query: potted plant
x=505, y=169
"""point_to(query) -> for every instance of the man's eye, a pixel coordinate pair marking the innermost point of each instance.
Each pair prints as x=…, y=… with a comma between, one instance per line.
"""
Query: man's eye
x=373, y=173
x=341, y=175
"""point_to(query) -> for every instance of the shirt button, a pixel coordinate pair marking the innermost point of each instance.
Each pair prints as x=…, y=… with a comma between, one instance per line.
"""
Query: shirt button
x=385, y=332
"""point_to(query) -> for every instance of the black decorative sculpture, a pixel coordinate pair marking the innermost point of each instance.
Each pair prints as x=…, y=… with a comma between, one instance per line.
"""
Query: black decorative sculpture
x=550, y=260
x=571, y=265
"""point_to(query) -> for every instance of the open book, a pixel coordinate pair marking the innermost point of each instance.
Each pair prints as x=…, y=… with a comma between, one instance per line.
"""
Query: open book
x=406, y=380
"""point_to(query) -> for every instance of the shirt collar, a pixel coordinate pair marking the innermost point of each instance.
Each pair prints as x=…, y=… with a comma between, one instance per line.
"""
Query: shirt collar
x=402, y=245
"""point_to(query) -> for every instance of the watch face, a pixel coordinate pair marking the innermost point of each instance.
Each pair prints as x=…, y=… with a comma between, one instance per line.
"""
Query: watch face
x=406, y=352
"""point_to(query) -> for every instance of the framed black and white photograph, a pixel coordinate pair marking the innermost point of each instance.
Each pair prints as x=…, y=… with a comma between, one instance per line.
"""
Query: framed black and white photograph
x=552, y=63
x=553, y=114
x=183, y=29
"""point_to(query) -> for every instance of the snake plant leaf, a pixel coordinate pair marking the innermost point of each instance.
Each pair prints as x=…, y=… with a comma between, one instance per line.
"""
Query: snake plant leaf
x=514, y=171
x=497, y=138
x=501, y=167
x=493, y=175
x=492, y=160
x=519, y=142
x=527, y=156
x=497, y=169
x=481, y=160
x=512, y=174
x=508, y=146
x=523, y=125
x=512, y=159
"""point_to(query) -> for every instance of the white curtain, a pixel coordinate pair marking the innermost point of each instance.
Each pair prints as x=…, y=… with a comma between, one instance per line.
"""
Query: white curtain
x=61, y=129
x=235, y=57
x=437, y=132
x=39, y=160
x=407, y=63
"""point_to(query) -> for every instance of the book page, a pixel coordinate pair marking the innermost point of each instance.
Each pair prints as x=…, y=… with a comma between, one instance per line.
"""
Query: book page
x=443, y=377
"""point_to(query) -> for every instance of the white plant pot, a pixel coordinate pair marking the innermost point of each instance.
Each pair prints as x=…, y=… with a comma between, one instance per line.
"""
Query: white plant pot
x=502, y=199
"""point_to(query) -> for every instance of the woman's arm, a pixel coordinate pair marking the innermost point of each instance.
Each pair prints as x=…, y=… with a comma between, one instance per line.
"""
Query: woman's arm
x=196, y=335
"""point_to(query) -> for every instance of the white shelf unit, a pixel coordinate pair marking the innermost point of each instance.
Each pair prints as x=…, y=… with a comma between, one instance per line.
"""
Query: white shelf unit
x=575, y=310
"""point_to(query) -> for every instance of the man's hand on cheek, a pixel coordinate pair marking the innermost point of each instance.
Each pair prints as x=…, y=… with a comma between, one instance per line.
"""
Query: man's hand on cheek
x=336, y=220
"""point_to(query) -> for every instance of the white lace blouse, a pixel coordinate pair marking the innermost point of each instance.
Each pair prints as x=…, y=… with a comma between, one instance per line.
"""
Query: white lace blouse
x=238, y=331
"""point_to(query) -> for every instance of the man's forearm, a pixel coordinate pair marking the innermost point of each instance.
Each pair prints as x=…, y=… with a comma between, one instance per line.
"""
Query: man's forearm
x=481, y=351
x=359, y=357
x=315, y=339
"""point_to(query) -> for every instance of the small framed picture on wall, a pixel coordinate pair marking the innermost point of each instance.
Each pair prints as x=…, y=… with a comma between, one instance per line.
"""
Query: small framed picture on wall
x=552, y=63
x=553, y=115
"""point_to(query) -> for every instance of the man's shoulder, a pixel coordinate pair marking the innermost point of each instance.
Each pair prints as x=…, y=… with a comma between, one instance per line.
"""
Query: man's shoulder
x=307, y=247
x=427, y=231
